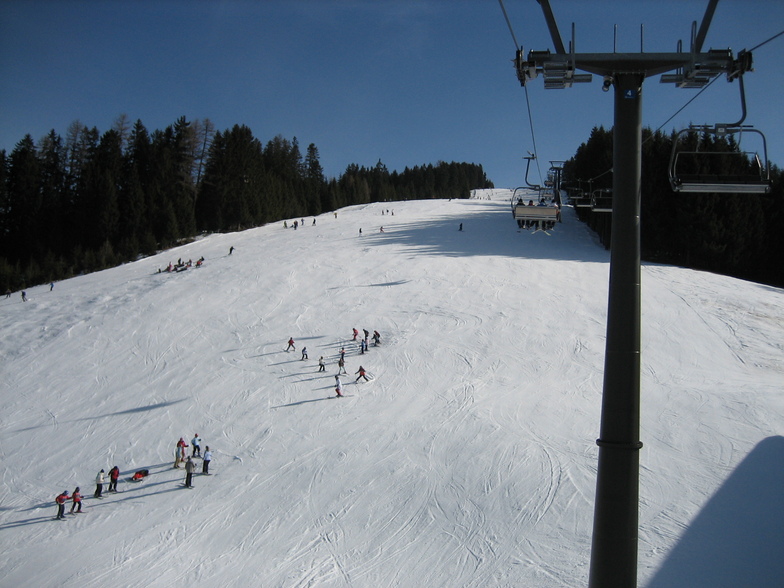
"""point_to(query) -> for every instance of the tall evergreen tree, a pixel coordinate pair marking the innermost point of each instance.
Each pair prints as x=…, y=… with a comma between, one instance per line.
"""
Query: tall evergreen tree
x=24, y=201
x=314, y=181
x=52, y=154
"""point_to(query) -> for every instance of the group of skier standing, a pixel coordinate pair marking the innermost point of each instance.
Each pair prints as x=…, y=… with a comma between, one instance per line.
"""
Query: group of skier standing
x=76, y=497
x=180, y=456
x=363, y=347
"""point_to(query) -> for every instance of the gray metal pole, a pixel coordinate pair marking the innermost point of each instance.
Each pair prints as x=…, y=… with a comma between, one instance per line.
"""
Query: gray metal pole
x=615, y=527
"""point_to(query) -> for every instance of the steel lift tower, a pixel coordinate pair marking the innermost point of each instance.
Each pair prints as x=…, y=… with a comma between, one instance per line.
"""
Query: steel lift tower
x=615, y=527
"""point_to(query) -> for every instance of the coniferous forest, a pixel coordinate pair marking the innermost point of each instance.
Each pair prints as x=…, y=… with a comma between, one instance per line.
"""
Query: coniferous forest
x=88, y=201
x=740, y=235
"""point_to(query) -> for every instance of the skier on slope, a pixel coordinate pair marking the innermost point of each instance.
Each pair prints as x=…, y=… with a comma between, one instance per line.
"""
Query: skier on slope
x=77, y=501
x=361, y=372
x=60, y=500
x=291, y=344
x=322, y=367
x=179, y=452
x=196, y=443
x=205, y=464
x=99, y=480
x=114, y=475
x=338, y=386
x=342, y=366
x=188, y=472
x=304, y=353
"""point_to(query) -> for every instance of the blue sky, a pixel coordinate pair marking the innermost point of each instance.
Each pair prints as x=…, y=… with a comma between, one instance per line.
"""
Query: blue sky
x=407, y=82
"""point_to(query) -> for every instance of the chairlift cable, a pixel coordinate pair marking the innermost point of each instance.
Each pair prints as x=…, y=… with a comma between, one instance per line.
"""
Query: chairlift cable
x=693, y=98
x=533, y=135
x=525, y=87
x=509, y=24
x=764, y=42
x=677, y=112
x=600, y=175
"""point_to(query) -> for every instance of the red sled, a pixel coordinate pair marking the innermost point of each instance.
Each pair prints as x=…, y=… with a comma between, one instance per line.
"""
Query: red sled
x=140, y=475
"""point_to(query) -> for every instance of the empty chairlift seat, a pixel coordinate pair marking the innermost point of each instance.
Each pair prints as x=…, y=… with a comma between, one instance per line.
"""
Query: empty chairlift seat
x=711, y=170
x=601, y=200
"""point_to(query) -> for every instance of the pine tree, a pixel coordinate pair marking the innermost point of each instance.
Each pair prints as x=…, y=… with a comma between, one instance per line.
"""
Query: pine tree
x=24, y=201
x=52, y=154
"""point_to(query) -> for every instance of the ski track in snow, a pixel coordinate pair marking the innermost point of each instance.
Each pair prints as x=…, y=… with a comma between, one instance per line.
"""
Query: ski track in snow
x=469, y=458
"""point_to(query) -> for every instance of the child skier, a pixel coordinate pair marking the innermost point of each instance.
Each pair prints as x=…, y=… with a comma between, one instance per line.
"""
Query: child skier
x=304, y=353
x=322, y=367
x=114, y=475
x=361, y=372
x=179, y=453
x=77, y=501
x=60, y=500
x=338, y=386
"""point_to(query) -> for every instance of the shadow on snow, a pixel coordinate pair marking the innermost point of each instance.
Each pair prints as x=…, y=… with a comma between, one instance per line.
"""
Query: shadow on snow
x=736, y=538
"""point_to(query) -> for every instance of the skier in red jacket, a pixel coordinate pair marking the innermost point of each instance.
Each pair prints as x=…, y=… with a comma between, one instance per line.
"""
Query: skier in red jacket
x=77, y=501
x=114, y=475
x=361, y=372
x=60, y=500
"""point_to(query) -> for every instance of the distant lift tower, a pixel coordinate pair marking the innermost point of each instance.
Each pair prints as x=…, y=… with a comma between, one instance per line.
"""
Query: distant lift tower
x=615, y=527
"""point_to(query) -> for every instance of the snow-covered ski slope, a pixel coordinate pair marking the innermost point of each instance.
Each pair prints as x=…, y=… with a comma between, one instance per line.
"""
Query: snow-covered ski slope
x=468, y=461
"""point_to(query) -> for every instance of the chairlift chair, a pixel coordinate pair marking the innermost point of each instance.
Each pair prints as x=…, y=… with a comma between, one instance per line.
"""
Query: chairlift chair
x=578, y=197
x=583, y=200
x=525, y=214
x=755, y=181
x=601, y=200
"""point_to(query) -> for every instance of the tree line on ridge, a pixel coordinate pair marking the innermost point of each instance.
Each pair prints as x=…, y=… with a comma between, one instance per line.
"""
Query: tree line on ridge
x=88, y=201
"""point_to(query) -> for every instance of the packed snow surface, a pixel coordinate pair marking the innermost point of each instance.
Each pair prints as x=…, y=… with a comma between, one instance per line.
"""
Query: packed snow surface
x=468, y=460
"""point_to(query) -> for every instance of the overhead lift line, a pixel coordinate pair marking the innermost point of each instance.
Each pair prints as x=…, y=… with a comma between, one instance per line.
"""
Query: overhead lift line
x=527, y=101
